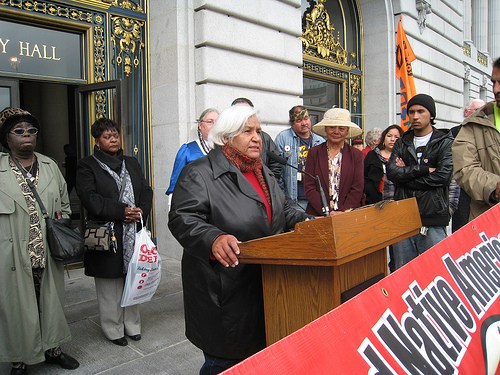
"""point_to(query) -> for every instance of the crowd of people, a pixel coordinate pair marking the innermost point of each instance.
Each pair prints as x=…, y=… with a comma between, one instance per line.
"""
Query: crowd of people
x=325, y=171
x=233, y=183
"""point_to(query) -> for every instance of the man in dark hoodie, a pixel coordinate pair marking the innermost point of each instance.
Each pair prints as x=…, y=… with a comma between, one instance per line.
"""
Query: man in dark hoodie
x=421, y=166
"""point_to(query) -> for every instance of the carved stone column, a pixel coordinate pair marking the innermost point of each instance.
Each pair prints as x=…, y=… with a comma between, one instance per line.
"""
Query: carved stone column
x=494, y=28
x=480, y=24
x=467, y=20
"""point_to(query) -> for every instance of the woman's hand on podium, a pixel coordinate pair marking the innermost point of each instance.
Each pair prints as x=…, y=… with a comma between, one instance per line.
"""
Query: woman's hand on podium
x=226, y=250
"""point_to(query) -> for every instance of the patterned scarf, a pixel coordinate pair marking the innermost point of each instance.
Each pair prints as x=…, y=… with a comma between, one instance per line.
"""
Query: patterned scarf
x=126, y=190
x=246, y=164
x=35, y=239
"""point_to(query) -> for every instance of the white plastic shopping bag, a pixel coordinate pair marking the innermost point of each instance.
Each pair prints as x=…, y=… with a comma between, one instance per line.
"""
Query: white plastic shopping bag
x=144, y=271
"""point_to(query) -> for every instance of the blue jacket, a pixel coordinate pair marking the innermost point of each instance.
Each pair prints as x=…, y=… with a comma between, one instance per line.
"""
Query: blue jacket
x=288, y=144
x=186, y=154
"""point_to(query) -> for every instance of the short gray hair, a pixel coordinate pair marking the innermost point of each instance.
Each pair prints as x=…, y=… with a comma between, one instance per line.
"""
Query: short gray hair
x=230, y=124
x=206, y=112
x=373, y=136
x=470, y=105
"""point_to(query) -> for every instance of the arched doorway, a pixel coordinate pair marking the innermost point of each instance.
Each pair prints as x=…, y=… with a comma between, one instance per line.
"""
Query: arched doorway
x=332, y=58
x=364, y=83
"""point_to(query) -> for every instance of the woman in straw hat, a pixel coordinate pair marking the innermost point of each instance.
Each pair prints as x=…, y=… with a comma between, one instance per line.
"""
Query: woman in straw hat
x=338, y=165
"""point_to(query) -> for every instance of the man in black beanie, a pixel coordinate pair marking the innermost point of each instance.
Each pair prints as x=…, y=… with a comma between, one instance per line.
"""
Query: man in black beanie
x=421, y=166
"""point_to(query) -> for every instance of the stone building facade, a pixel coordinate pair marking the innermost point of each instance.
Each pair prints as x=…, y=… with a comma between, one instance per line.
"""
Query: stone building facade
x=204, y=53
x=155, y=65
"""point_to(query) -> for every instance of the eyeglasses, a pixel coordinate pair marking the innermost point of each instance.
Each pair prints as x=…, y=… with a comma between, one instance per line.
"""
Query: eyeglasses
x=210, y=122
x=23, y=131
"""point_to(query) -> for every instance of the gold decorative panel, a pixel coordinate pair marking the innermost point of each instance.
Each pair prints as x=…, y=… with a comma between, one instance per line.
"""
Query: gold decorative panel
x=466, y=49
x=126, y=4
x=319, y=39
x=355, y=87
x=482, y=58
x=326, y=71
x=126, y=37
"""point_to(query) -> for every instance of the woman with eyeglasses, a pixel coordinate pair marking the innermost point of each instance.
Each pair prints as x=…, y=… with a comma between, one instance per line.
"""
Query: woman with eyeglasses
x=195, y=149
x=112, y=188
x=32, y=324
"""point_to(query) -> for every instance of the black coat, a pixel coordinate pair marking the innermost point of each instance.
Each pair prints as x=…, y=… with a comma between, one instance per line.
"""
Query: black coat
x=374, y=172
x=99, y=195
x=414, y=179
x=269, y=145
x=223, y=306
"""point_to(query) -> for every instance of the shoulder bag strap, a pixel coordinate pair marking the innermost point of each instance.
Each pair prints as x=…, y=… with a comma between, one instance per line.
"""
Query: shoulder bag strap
x=32, y=187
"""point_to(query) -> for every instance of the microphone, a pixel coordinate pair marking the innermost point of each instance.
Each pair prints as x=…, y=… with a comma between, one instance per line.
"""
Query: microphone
x=324, y=203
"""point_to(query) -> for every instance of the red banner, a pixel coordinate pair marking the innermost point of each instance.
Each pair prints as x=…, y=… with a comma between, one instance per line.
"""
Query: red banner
x=404, y=57
x=439, y=314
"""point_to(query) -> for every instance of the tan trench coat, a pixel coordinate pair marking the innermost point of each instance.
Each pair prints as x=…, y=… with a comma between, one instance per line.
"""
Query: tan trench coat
x=24, y=332
x=476, y=159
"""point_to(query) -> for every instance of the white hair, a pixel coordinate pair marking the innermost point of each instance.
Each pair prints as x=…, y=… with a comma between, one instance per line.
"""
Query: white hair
x=230, y=124
x=373, y=136
x=479, y=102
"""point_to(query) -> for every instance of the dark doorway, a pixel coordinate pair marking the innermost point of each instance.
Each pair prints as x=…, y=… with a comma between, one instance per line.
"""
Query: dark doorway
x=53, y=104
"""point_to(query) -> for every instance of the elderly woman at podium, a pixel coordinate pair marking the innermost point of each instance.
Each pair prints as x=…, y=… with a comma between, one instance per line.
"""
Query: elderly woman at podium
x=218, y=201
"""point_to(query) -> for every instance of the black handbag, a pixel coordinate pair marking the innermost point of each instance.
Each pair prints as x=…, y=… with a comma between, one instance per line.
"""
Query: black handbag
x=65, y=242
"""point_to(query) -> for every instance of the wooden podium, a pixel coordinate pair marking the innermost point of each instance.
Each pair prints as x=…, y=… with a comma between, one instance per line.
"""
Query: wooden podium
x=306, y=272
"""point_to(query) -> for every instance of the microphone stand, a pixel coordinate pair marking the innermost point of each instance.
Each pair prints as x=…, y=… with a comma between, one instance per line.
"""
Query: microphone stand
x=324, y=203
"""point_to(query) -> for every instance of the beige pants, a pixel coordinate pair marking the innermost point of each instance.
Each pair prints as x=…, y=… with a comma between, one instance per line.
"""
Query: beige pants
x=116, y=321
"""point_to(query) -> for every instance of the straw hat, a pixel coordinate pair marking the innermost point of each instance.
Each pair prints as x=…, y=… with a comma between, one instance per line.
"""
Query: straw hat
x=337, y=117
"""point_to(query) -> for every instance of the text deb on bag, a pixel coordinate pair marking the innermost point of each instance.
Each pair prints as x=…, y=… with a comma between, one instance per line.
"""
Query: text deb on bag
x=144, y=270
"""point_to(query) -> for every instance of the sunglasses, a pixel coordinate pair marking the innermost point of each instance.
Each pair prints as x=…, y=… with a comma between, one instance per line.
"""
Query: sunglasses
x=23, y=131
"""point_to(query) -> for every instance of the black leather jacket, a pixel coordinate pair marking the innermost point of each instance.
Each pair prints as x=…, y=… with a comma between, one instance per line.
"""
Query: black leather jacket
x=223, y=306
x=414, y=179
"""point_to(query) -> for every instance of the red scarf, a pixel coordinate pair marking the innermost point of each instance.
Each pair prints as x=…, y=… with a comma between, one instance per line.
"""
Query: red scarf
x=246, y=164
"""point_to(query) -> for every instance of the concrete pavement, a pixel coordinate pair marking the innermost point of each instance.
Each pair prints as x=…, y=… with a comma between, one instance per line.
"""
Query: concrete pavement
x=163, y=349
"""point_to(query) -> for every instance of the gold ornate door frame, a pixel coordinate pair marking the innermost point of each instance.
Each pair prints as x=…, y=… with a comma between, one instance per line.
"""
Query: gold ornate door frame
x=114, y=35
x=326, y=59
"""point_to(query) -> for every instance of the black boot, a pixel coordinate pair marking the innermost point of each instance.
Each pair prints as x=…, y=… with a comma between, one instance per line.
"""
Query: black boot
x=18, y=368
x=64, y=360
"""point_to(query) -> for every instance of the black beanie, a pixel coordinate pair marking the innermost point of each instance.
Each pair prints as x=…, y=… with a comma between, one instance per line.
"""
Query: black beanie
x=425, y=101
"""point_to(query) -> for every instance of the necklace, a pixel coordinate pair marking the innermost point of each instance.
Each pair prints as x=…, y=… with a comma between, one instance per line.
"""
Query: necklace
x=30, y=169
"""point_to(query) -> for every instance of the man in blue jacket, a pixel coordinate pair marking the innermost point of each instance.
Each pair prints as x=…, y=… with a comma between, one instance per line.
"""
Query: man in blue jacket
x=421, y=166
x=294, y=144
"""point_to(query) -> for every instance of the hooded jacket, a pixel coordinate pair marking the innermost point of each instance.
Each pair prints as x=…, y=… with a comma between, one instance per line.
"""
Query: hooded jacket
x=476, y=159
x=223, y=306
x=414, y=179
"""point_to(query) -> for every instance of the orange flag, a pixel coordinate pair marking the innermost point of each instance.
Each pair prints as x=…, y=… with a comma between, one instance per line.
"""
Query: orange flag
x=404, y=57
